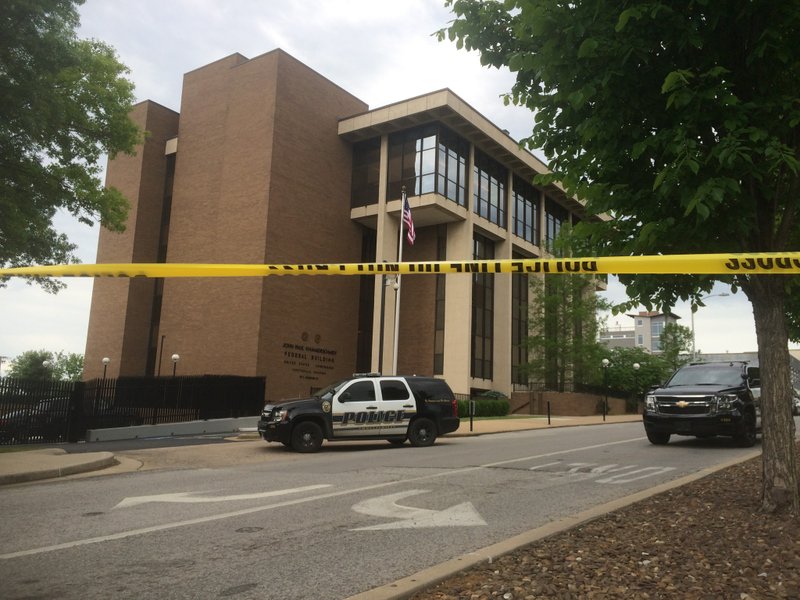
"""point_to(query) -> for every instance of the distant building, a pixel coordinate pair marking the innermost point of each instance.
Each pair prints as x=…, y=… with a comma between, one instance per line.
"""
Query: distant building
x=645, y=333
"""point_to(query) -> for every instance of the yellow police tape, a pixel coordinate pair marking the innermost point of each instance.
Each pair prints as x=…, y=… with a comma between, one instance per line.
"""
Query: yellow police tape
x=676, y=264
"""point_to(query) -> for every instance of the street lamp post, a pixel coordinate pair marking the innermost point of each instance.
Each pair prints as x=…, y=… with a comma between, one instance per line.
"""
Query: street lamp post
x=106, y=360
x=606, y=363
x=47, y=364
x=694, y=309
x=175, y=359
x=636, y=367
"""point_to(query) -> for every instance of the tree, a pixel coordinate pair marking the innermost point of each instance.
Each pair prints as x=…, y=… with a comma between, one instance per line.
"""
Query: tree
x=676, y=342
x=64, y=103
x=623, y=378
x=681, y=120
x=563, y=346
x=565, y=314
x=43, y=364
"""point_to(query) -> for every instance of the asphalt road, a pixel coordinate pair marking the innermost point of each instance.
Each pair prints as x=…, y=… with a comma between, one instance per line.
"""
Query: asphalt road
x=327, y=525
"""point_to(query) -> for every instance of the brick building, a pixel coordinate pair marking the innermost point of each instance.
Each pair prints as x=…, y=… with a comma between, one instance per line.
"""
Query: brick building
x=269, y=162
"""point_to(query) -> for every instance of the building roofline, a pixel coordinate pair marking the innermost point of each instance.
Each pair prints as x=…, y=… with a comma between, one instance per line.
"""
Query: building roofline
x=448, y=108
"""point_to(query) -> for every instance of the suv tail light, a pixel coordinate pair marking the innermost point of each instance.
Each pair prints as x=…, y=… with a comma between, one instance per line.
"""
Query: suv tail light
x=455, y=407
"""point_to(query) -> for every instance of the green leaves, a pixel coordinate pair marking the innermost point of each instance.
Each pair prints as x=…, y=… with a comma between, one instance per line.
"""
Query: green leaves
x=64, y=105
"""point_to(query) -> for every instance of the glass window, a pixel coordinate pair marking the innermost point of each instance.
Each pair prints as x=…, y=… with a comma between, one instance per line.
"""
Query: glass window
x=489, y=197
x=519, y=326
x=366, y=172
x=360, y=391
x=526, y=211
x=428, y=159
x=438, y=335
x=394, y=389
x=555, y=217
x=482, y=311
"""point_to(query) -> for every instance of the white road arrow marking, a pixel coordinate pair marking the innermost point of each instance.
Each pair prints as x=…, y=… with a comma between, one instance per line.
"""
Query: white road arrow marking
x=191, y=498
x=460, y=515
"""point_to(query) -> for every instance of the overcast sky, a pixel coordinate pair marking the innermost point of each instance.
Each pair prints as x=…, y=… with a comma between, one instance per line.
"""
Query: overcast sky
x=382, y=51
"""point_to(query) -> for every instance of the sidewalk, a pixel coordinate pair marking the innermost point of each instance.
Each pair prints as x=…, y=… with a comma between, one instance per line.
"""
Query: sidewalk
x=50, y=463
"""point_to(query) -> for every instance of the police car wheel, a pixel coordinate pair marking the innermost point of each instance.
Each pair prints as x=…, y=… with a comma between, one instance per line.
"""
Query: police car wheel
x=306, y=437
x=422, y=432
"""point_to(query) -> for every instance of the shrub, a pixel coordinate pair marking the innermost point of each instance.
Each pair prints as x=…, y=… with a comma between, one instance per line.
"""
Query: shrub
x=485, y=407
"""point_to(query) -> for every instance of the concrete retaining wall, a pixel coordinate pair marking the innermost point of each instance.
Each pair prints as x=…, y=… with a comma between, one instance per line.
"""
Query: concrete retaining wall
x=170, y=429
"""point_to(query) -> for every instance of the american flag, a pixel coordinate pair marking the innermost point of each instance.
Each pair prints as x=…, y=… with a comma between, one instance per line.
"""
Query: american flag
x=411, y=234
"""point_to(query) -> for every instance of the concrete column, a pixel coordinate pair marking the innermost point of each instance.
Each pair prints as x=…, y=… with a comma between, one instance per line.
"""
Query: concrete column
x=458, y=298
x=386, y=250
x=501, y=370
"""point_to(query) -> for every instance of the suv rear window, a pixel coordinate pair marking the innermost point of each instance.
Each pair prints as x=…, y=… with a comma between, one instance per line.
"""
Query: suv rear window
x=430, y=389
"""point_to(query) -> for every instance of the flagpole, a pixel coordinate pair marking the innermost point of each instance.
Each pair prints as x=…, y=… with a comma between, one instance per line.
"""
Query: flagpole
x=397, y=284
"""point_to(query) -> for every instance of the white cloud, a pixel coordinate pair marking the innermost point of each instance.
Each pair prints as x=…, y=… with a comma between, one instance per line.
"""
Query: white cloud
x=382, y=51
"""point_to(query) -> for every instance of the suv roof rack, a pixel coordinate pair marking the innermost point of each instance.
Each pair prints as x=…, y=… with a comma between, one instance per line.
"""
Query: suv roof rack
x=729, y=363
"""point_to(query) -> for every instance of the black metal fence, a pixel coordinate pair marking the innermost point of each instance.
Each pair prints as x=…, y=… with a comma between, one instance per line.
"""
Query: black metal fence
x=59, y=411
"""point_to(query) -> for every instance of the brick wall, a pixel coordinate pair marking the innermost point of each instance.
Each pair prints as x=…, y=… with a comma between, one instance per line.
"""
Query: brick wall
x=567, y=404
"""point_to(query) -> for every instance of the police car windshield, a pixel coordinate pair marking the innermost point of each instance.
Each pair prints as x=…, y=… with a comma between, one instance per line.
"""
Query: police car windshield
x=707, y=375
x=328, y=392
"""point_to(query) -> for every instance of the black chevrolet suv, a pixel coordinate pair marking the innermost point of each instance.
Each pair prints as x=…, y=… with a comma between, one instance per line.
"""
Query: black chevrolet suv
x=367, y=406
x=704, y=400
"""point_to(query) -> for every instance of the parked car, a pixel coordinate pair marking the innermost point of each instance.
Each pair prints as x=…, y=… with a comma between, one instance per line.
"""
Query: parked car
x=366, y=406
x=796, y=402
x=704, y=400
x=47, y=420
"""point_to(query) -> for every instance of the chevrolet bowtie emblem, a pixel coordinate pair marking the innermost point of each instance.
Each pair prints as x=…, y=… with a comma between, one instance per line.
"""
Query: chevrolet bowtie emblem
x=682, y=403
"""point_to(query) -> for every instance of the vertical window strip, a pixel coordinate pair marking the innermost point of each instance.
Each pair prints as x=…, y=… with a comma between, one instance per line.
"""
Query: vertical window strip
x=555, y=217
x=519, y=326
x=482, y=312
x=526, y=211
x=440, y=305
x=489, y=196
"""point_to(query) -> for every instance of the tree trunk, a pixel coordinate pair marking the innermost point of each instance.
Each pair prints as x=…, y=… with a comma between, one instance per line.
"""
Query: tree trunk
x=780, y=490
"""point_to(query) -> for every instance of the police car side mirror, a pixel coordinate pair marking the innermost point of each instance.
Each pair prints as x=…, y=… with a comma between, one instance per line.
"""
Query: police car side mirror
x=345, y=397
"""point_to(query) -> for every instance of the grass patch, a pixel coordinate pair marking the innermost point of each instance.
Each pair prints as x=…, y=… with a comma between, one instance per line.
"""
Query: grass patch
x=4, y=449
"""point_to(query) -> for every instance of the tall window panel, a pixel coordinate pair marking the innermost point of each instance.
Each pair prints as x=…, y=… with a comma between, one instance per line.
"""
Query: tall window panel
x=438, y=334
x=489, y=196
x=412, y=161
x=429, y=158
x=452, y=168
x=526, y=211
x=519, y=326
x=555, y=217
x=366, y=172
x=482, y=312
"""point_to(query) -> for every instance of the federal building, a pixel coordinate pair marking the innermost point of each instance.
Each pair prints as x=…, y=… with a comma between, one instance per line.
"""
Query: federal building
x=269, y=162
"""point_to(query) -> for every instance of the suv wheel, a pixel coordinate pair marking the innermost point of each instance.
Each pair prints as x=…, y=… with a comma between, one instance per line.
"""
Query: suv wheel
x=306, y=437
x=658, y=438
x=422, y=432
x=747, y=437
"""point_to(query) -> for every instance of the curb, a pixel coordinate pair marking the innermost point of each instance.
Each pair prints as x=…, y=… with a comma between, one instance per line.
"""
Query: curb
x=102, y=461
x=422, y=580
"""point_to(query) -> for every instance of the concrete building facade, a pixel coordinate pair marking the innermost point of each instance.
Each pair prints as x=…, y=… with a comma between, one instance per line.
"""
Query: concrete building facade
x=268, y=162
x=645, y=333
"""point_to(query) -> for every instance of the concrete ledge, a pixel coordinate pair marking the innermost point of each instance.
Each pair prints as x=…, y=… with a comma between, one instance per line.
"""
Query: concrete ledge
x=50, y=464
x=171, y=429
